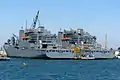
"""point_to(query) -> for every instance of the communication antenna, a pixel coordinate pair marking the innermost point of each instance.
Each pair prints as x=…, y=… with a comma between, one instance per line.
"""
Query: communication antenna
x=106, y=41
x=22, y=27
x=60, y=29
x=26, y=24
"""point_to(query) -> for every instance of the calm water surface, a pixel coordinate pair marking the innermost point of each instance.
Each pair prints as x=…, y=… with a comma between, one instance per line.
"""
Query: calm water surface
x=60, y=69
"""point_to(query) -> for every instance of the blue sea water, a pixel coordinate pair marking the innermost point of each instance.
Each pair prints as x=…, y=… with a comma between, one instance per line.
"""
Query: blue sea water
x=59, y=69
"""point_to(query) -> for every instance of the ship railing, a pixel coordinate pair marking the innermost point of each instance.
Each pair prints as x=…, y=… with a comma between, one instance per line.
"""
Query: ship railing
x=57, y=50
x=101, y=51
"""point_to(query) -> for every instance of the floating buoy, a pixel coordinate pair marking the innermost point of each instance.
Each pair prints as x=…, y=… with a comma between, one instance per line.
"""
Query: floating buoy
x=24, y=64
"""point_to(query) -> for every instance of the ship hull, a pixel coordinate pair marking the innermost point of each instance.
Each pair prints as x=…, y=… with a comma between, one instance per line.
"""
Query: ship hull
x=59, y=55
x=27, y=53
x=103, y=55
x=70, y=55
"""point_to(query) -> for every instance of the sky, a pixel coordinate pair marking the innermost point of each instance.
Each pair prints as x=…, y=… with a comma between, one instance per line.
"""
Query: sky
x=97, y=17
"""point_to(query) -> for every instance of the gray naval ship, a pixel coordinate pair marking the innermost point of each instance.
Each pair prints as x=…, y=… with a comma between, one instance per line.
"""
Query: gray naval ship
x=70, y=39
x=31, y=42
x=40, y=43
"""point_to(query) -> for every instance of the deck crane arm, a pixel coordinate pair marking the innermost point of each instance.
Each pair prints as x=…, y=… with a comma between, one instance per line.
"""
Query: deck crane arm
x=15, y=36
x=35, y=20
x=17, y=41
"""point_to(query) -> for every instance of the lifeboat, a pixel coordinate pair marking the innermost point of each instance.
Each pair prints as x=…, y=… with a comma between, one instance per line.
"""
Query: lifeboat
x=86, y=47
x=26, y=37
x=64, y=39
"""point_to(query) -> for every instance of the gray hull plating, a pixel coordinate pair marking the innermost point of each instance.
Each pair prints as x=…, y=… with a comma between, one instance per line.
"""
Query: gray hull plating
x=27, y=53
x=104, y=55
x=60, y=55
x=70, y=55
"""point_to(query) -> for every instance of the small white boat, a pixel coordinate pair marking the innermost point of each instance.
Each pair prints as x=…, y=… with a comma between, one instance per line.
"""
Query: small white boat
x=4, y=58
x=117, y=54
x=3, y=55
x=87, y=58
